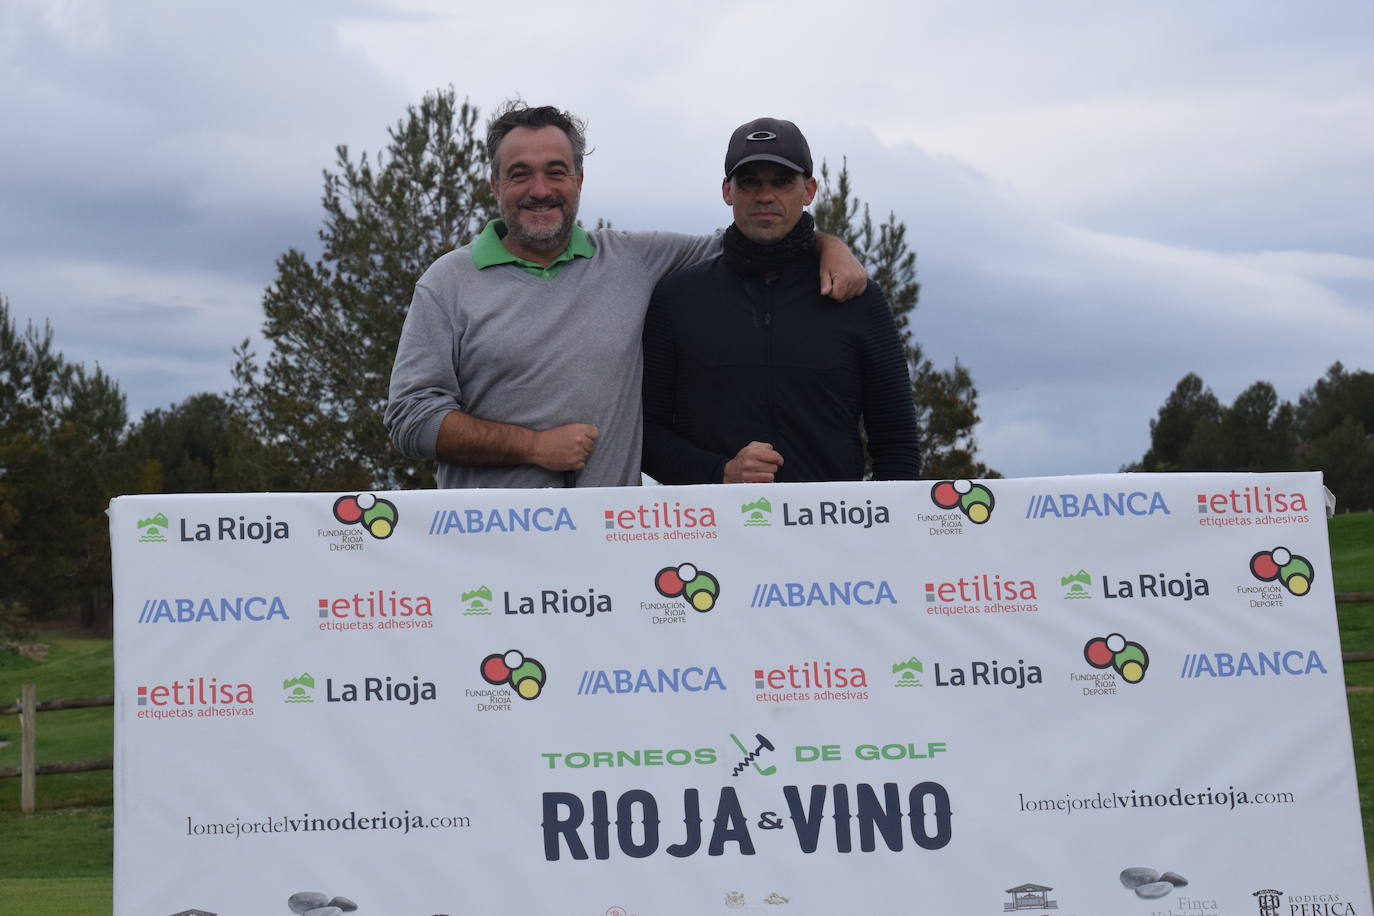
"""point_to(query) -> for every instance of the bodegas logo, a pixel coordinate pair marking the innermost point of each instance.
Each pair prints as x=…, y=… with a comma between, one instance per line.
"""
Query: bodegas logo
x=377, y=516
x=194, y=697
x=1114, y=652
x=379, y=609
x=516, y=670
x=1251, y=505
x=974, y=500
x=1271, y=903
x=1096, y=505
x=660, y=521
x=817, y=680
x=981, y=593
x=1281, y=565
x=369, y=689
x=222, y=609
x=843, y=593
x=528, y=519
x=1265, y=663
x=690, y=679
x=695, y=586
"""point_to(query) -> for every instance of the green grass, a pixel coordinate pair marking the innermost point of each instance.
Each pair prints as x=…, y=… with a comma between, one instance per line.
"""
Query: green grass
x=58, y=862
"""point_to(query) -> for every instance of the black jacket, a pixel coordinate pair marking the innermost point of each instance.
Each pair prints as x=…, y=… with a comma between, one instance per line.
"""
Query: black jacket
x=729, y=359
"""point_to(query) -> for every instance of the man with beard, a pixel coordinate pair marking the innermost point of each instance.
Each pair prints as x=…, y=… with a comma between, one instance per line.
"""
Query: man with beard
x=519, y=363
x=750, y=375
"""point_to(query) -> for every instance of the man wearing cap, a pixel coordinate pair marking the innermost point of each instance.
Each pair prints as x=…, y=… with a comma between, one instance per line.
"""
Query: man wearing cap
x=750, y=375
x=519, y=363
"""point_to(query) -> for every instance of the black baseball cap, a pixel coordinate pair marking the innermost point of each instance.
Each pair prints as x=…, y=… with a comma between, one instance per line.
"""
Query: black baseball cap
x=769, y=140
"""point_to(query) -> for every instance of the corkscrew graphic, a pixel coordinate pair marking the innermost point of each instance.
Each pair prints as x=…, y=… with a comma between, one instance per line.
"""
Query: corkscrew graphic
x=751, y=756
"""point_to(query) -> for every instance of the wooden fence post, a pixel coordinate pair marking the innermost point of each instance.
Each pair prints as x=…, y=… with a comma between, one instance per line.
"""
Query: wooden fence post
x=28, y=746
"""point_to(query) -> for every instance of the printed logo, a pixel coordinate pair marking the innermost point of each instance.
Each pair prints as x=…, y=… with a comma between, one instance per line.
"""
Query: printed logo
x=761, y=744
x=757, y=514
x=1279, y=662
x=848, y=593
x=908, y=672
x=695, y=586
x=1149, y=884
x=557, y=601
x=153, y=530
x=532, y=520
x=225, y=528
x=981, y=593
x=476, y=603
x=660, y=521
x=836, y=512
x=1128, y=659
x=254, y=608
x=1268, y=901
x=810, y=680
x=194, y=697
x=1077, y=585
x=367, y=690
x=1251, y=505
x=988, y=674
x=1096, y=505
x=194, y=913
x=692, y=679
x=734, y=900
x=376, y=610
x=514, y=669
x=1157, y=585
x=299, y=689
x=378, y=517
x=776, y=899
x=1293, y=572
x=974, y=500
x=1030, y=897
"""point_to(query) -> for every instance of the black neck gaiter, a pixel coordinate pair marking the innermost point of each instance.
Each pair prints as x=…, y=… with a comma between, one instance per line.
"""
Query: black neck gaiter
x=752, y=259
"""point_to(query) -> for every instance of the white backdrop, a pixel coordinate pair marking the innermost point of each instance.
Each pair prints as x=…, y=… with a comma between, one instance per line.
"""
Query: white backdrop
x=936, y=697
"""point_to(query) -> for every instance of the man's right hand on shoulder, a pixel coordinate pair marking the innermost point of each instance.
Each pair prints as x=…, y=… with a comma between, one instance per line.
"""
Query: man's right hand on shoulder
x=757, y=462
x=564, y=448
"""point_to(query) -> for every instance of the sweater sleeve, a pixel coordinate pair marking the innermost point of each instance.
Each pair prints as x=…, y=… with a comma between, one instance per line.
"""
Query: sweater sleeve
x=888, y=411
x=668, y=457
x=424, y=378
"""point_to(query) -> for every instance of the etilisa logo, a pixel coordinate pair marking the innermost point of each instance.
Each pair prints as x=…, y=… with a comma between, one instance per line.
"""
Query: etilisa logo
x=194, y=697
x=811, y=680
x=1250, y=506
x=757, y=514
x=222, y=609
x=153, y=529
x=379, y=609
x=516, y=670
x=974, y=500
x=981, y=593
x=1281, y=565
x=1096, y=505
x=377, y=516
x=660, y=521
x=695, y=586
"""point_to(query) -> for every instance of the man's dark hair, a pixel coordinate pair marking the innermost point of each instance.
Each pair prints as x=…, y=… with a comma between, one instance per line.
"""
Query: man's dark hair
x=516, y=113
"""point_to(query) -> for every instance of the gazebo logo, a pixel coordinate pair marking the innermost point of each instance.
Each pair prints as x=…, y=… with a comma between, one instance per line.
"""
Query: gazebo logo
x=1030, y=897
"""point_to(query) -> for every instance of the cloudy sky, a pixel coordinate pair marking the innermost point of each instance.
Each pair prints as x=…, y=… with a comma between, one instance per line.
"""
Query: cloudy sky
x=1103, y=196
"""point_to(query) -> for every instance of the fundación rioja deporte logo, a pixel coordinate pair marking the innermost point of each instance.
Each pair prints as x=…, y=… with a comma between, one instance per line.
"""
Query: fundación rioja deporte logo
x=516, y=670
x=1293, y=572
x=378, y=517
x=1114, y=651
x=695, y=586
x=974, y=500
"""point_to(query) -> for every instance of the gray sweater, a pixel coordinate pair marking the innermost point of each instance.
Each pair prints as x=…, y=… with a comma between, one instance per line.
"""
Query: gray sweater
x=501, y=344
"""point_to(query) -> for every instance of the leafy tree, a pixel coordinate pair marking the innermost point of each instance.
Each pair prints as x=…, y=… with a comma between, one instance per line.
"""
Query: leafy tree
x=946, y=400
x=202, y=445
x=1337, y=434
x=333, y=325
x=1257, y=432
x=1186, y=436
x=59, y=466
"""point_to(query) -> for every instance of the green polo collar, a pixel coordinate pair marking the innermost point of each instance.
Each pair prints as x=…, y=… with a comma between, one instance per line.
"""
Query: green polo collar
x=487, y=251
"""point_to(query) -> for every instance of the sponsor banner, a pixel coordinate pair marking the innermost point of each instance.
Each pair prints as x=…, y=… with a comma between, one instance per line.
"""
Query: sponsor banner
x=1061, y=695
